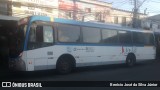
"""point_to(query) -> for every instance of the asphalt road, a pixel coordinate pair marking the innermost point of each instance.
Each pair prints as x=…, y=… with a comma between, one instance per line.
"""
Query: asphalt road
x=143, y=71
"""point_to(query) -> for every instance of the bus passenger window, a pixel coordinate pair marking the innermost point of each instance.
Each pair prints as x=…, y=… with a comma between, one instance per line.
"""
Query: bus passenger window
x=91, y=35
x=138, y=38
x=109, y=36
x=143, y=38
x=62, y=36
x=125, y=37
x=68, y=33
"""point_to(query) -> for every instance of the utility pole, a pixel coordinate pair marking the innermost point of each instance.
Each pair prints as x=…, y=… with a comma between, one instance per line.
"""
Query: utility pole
x=134, y=23
x=74, y=10
x=135, y=13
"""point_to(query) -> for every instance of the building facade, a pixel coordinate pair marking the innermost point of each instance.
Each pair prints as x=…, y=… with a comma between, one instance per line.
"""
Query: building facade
x=124, y=17
x=82, y=10
x=24, y=8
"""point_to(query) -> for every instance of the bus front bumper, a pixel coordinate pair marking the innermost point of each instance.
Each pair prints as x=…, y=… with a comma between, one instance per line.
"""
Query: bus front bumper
x=17, y=64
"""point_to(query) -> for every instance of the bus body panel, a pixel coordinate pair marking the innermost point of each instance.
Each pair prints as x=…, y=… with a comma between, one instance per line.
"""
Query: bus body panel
x=85, y=55
x=145, y=53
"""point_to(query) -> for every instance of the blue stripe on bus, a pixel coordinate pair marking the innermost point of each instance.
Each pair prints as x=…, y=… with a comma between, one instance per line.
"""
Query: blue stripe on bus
x=89, y=44
x=82, y=44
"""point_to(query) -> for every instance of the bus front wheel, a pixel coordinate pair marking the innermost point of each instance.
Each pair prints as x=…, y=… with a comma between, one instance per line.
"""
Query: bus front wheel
x=64, y=66
x=130, y=60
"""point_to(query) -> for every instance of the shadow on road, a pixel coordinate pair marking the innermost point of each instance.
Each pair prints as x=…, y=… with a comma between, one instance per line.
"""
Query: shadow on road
x=114, y=66
x=6, y=75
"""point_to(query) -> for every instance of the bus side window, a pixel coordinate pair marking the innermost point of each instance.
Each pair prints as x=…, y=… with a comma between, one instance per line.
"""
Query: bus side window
x=143, y=38
x=68, y=33
x=125, y=37
x=109, y=36
x=91, y=35
x=149, y=39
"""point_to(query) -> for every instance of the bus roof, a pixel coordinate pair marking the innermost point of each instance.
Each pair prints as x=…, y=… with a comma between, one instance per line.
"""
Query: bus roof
x=80, y=23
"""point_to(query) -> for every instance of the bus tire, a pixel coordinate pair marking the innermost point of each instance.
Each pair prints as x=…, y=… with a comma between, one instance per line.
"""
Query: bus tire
x=130, y=60
x=64, y=65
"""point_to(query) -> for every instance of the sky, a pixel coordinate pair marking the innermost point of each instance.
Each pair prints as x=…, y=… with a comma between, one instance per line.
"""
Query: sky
x=153, y=6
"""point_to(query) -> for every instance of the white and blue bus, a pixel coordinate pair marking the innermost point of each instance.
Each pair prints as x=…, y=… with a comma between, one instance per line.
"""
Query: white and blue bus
x=53, y=43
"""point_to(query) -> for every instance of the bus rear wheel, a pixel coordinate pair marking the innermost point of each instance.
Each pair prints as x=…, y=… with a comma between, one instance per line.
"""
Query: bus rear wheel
x=130, y=60
x=64, y=66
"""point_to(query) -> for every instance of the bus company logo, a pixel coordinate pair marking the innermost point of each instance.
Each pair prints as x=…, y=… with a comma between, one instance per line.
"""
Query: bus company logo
x=134, y=49
x=69, y=49
x=6, y=84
